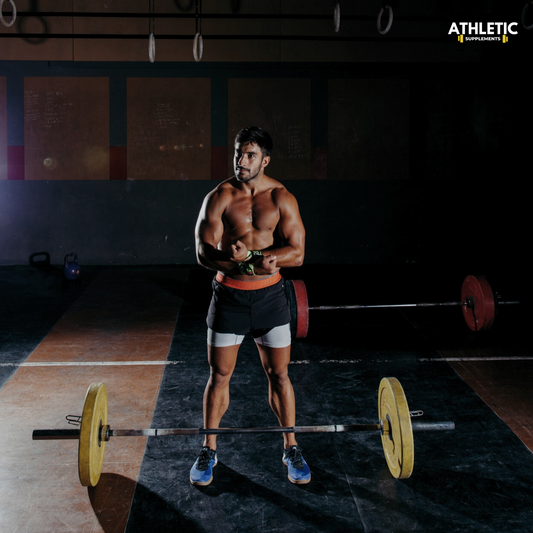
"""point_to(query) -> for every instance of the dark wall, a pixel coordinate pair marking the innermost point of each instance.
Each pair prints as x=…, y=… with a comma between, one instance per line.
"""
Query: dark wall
x=462, y=202
x=480, y=222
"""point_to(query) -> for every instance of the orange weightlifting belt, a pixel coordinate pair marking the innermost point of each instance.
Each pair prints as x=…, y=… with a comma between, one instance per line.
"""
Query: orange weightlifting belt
x=248, y=285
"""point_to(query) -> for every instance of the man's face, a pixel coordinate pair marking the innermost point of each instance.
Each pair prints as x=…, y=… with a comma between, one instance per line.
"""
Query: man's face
x=248, y=162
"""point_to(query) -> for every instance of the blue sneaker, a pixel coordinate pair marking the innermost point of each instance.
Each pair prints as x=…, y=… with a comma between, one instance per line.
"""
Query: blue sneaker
x=202, y=469
x=299, y=472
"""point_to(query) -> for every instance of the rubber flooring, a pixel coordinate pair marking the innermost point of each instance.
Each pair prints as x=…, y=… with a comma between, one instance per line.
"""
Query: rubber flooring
x=142, y=331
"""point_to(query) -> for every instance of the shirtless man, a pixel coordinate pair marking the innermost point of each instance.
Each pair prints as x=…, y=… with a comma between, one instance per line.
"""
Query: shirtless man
x=249, y=226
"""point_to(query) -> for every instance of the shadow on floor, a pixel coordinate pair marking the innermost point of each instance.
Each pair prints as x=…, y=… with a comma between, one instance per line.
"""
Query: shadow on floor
x=111, y=500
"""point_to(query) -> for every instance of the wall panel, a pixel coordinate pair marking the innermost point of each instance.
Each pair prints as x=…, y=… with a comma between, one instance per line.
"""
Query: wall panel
x=66, y=128
x=169, y=129
x=368, y=129
x=283, y=108
x=3, y=129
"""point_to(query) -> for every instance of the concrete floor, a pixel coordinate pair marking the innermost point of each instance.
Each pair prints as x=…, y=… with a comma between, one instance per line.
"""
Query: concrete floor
x=142, y=332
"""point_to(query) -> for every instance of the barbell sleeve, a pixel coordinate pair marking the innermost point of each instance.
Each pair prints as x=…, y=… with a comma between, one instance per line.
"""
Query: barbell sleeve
x=55, y=434
x=433, y=426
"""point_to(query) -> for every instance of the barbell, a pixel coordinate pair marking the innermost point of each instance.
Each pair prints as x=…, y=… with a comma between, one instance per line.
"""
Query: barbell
x=478, y=302
x=394, y=424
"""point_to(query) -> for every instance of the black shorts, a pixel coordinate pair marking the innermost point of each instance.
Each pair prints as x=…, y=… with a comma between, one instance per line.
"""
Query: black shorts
x=247, y=311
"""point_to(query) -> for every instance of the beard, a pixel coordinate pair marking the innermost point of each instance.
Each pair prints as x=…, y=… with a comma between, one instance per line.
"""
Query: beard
x=244, y=176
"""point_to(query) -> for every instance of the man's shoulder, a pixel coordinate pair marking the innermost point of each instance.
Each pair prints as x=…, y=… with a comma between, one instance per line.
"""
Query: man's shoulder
x=280, y=193
x=224, y=188
x=227, y=186
x=219, y=197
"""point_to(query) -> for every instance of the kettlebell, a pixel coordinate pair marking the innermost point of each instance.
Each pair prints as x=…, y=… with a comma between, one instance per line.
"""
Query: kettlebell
x=71, y=270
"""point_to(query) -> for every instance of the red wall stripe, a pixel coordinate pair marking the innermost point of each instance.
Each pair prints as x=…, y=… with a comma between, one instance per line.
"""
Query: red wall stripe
x=319, y=163
x=15, y=162
x=118, y=163
x=219, y=163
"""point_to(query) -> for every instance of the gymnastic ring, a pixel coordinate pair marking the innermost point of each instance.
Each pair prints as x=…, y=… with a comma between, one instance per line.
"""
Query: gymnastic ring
x=524, y=11
x=389, y=24
x=14, y=16
x=151, y=48
x=198, y=47
x=337, y=17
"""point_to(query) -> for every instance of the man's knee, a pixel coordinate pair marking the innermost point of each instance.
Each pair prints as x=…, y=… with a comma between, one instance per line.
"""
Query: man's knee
x=278, y=375
x=220, y=377
x=222, y=364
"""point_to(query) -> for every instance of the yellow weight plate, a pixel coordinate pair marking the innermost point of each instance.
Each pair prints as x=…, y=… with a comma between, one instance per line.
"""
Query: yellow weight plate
x=397, y=437
x=91, y=447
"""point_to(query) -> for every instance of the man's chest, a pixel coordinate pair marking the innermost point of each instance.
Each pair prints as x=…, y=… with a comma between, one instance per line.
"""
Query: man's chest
x=244, y=214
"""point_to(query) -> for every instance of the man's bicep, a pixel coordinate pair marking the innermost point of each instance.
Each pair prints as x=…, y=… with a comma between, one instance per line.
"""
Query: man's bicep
x=206, y=237
x=209, y=227
x=291, y=228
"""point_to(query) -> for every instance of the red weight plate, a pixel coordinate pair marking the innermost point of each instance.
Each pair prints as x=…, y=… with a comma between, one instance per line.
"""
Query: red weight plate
x=302, y=308
x=480, y=309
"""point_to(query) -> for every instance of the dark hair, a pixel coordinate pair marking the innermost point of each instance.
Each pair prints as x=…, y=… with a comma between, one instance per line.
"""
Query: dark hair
x=257, y=135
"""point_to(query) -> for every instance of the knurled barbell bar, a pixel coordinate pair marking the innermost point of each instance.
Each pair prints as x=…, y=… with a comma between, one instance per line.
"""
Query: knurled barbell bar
x=478, y=302
x=394, y=424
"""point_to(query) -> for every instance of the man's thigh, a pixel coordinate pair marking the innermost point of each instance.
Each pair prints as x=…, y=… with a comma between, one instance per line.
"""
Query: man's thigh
x=222, y=359
x=275, y=360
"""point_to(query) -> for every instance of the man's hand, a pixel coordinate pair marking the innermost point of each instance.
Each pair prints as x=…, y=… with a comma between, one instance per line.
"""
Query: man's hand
x=238, y=252
x=267, y=263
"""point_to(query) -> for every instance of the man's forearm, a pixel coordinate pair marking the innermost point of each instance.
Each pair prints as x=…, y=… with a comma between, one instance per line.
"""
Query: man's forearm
x=287, y=256
x=215, y=259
